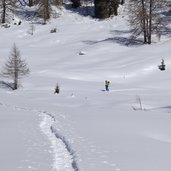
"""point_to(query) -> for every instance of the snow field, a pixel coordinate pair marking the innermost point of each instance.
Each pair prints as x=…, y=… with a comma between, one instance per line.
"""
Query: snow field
x=101, y=128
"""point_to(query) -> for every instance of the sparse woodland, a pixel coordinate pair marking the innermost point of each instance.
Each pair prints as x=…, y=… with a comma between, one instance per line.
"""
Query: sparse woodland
x=144, y=16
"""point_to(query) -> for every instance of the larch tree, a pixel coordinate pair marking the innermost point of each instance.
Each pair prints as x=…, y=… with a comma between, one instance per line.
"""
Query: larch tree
x=45, y=8
x=6, y=8
x=15, y=68
x=145, y=18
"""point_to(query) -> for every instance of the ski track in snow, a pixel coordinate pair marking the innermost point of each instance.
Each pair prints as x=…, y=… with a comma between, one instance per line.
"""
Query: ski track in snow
x=63, y=155
x=53, y=135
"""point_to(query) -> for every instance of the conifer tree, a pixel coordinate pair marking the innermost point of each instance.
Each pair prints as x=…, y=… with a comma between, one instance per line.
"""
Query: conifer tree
x=106, y=8
x=15, y=68
x=113, y=6
x=101, y=9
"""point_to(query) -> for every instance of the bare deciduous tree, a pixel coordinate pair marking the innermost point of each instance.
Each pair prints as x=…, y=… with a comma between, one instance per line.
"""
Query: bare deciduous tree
x=15, y=68
x=45, y=8
x=6, y=6
x=145, y=17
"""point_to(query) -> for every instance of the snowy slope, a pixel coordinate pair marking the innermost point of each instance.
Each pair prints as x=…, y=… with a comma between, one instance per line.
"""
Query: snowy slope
x=85, y=128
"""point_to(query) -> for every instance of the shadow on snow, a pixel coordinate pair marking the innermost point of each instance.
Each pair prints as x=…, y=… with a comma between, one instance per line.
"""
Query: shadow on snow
x=6, y=85
x=124, y=41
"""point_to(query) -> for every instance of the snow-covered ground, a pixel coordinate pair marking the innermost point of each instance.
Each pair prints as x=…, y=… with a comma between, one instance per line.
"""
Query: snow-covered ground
x=85, y=128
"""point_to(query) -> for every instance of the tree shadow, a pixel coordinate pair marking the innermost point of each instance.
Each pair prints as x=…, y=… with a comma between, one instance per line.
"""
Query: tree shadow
x=126, y=38
x=165, y=108
x=26, y=14
x=168, y=108
x=124, y=41
x=82, y=10
x=167, y=15
x=121, y=37
x=121, y=32
x=6, y=85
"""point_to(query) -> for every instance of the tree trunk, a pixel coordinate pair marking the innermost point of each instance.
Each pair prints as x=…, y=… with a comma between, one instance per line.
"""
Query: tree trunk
x=44, y=10
x=4, y=11
x=15, y=85
x=122, y=2
x=144, y=21
x=30, y=3
x=15, y=70
x=150, y=23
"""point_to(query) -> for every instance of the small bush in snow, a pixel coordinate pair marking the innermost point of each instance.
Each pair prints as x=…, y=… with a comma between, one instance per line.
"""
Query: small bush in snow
x=82, y=53
x=57, y=89
x=5, y=25
x=53, y=30
x=17, y=23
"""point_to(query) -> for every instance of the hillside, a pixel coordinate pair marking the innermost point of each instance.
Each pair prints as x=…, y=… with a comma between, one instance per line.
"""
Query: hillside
x=85, y=128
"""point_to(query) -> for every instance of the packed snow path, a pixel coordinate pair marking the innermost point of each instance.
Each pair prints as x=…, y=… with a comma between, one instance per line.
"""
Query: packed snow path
x=63, y=153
